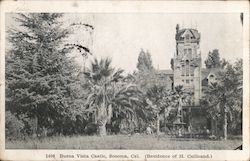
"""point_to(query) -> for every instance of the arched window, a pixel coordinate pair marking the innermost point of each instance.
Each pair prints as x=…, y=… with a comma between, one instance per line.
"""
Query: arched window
x=187, y=68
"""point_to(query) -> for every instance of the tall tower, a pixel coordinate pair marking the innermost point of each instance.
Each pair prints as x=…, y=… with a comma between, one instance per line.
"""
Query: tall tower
x=187, y=62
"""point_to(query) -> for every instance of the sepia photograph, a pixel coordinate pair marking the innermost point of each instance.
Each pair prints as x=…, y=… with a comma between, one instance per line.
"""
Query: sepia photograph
x=124, y=81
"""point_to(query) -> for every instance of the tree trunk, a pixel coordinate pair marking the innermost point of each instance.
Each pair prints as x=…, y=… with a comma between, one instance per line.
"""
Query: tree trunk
x=102, y=119
x=216, y=127
x=157, y=124
x=212, y=127
x=102, y=128
x=225, y=125
x=35, y=128
x=165, y=121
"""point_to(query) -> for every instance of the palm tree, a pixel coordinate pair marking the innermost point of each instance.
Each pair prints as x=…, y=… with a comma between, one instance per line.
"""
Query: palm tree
x=159, y=99
x=128, y=103
x=224, y=96
x=108, y=96
x=181, y=98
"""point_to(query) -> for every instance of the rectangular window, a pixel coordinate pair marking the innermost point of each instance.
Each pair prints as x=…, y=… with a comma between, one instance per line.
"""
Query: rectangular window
x=185, y=51
x=190, y=53
x=187, y=68
x=187, y=81
x=182, y=70
x=195, y=53
x=191, y=70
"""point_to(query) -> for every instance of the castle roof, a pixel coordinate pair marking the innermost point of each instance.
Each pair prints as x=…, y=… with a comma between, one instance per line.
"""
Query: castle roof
x=194, y=32
x=206, y=72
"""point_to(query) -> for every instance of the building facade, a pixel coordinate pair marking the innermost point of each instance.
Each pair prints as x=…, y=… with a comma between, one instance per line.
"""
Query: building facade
x=187, y=72
x=187, y=62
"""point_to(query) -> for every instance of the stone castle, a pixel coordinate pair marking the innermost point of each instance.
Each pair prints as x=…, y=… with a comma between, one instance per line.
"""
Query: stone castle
x=186, y=66
x=186, y=71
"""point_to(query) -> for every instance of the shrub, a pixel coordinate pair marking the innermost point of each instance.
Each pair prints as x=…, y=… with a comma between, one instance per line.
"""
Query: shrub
x=14, y=127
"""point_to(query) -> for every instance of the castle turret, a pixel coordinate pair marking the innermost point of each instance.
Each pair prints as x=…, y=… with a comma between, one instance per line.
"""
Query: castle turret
x=187, y=62
x=177, y=28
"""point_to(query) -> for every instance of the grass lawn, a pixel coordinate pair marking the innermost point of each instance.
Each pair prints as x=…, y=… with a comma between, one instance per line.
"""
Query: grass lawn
x=137, y=142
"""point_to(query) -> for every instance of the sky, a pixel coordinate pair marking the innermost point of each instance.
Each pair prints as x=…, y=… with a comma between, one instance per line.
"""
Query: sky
x=121, y=36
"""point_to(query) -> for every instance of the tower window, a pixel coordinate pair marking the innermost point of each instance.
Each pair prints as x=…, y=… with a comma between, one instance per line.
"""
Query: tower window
x=191, y=70
x=185, y=51
x=182, y=70
x=187, y=81
x=187, y=68
x=189, y=53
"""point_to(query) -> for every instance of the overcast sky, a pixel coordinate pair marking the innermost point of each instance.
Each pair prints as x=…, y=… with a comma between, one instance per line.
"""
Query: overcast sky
x=121, y=36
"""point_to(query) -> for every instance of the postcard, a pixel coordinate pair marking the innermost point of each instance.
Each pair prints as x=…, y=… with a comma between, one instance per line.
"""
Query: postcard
x=124, y=80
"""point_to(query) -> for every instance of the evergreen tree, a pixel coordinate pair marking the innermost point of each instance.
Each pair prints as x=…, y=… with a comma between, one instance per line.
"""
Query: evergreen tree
x=144, y=62
x=38, y=72
x=213, y=59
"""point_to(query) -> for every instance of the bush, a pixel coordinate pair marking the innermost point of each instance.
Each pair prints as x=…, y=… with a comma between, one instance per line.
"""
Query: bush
x=14, y=127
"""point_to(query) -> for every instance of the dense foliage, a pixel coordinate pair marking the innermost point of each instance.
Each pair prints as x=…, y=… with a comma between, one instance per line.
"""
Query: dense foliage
x=223, y=98
x=38, y=71
x=213, y=60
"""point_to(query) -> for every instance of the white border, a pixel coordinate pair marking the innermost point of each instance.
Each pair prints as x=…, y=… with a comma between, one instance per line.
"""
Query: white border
x=129, y=7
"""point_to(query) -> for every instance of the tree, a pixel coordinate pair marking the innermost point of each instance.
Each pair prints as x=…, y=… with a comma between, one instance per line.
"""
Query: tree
x=224, y=97
x=106, y=97
x=155, y=96
x=213, y=59
x=160, y=101
x=38, y=71
x=128, y=105
x=181, y=98
x=144, y=62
